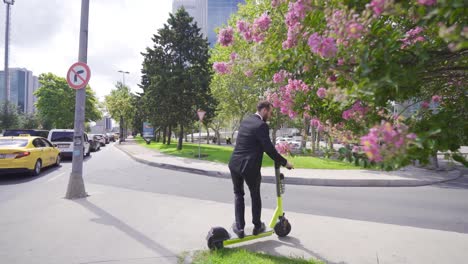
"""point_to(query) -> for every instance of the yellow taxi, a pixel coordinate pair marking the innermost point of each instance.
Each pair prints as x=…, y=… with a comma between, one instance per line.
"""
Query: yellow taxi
x=27, y=154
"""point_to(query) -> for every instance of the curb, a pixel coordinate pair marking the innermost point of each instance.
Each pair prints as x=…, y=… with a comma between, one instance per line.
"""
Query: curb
x=300, y=181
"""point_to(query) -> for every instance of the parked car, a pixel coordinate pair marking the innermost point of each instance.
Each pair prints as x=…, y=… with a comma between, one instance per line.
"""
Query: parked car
x=111, y=137
x=63, y=139
x=31, y=132
x=102, y=139
x=94, y=142
x=27, y=154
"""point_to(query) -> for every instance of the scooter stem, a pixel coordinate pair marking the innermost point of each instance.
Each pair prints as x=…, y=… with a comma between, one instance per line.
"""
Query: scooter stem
x=279, y=200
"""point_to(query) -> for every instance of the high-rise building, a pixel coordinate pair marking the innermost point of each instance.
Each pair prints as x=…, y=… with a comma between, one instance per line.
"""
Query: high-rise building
x=22, y=87
x=219, y=12
x=209, y=14
x=197, y=9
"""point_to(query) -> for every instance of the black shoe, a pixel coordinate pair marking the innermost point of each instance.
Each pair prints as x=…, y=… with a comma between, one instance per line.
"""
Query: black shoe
x=239, y=232
x=259, y=229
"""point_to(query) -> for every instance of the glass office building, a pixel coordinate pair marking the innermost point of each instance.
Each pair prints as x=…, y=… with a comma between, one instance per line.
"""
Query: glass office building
x=22, y=87
x=219, y=12
x=196, y=8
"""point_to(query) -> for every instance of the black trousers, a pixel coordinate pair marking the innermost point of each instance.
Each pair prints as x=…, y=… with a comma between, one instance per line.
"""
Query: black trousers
x=253, y=182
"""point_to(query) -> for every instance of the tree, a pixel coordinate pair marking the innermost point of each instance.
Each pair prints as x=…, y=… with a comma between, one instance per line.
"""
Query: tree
x=176, y=75
x=119, y=103
x=29, y=121
x=56, y=103
x=9, y=117
x=342, y=63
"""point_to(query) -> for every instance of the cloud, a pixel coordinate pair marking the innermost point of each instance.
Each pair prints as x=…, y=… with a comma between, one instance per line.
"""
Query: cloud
x=45, y=37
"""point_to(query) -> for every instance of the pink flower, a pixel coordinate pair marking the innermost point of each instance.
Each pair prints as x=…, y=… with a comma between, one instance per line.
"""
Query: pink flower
x=314, y=122
x=340, y=62
x=354, y=30
x=436, y=98
x=377, y=6
x=314, y=42
x=425, y=104
x=263, y=22
x=233, y=56
x=412, y=36
x=296, y=12
x=221, y=67
x=332, y=78
x=225, y=36
x=292, y=36
x=411, y=136
x=328, y=48
x=325, y=47
x=248, y=73
x=243, y=26
x=321, y=92
x=283, y=148
x=427, y=2
x=280, y=76
x=356, y=149
x=346, y=115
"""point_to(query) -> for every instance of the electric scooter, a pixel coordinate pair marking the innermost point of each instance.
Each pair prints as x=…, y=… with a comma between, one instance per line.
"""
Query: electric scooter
x=218, y=237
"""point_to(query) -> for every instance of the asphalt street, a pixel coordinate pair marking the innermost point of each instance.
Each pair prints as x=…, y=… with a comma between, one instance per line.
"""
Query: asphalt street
x=441, y=206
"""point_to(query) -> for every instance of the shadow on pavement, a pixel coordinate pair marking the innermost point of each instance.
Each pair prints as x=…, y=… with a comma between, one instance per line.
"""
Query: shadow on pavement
x=17, y=178
x=106, y=218
x=290, y=242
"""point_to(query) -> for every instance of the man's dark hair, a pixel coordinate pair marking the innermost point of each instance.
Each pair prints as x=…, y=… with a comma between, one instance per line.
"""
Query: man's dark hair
x=263, y=104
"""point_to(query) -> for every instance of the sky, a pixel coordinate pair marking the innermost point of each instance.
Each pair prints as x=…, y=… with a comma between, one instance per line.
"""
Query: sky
x=44, y=37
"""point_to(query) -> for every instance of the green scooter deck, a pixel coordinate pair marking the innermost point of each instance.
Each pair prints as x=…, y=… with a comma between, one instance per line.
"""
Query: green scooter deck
x=247, y=238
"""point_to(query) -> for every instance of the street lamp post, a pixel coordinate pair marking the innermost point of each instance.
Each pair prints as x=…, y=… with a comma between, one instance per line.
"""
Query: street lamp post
x=122, y=138
x=6, y=75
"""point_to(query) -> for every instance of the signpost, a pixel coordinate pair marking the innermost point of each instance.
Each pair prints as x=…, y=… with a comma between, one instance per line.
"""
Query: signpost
x=148, y=132
x=77, y=77
x=201, y=114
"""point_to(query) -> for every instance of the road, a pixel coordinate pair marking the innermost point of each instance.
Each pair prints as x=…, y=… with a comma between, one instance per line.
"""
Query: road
x=440, y=207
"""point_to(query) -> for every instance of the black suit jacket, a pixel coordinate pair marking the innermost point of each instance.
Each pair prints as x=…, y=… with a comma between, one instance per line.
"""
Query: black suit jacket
x=252, y=140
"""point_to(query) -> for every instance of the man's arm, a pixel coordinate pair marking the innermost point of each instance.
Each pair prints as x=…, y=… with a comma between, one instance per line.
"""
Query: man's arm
x=263, y=136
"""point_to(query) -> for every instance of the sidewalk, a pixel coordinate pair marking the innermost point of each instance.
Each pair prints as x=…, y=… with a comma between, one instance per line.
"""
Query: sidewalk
x=409, y=176
x=122, y=226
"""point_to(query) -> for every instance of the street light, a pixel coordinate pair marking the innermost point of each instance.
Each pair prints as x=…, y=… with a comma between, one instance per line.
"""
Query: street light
x=122, y=138
x=6, y=80
x=123, y=76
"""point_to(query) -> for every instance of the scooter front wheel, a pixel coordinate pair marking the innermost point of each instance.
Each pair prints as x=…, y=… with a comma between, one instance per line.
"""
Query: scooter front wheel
x=283, y=227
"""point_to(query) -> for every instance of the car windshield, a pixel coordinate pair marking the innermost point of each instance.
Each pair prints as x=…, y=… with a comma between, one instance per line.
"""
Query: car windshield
x=62, y=136
x=15, y=143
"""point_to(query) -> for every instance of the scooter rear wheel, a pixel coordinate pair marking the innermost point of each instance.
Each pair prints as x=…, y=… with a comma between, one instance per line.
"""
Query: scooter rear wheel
x=214, y=244
x=283, y=227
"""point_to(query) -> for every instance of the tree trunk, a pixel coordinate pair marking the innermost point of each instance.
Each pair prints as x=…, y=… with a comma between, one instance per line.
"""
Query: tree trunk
x=330, y=142
x=434, y=161
x=313, y=140
x=273, y=135
x=181, y=137
x=186, y=137
x=164, y=135
x=305, y=133
x=192, y=134
x=218, y=137
x=207, y=135
x=158, y=137
x=170, y=135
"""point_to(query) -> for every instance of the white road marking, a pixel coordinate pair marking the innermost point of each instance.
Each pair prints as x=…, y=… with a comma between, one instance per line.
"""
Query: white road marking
x=56, y=177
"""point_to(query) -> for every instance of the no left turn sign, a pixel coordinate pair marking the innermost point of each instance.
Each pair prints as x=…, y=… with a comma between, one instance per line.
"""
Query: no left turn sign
x=78, y=75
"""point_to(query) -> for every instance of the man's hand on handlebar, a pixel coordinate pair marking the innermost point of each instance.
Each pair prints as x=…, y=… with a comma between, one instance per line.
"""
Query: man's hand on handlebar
x=289, y=165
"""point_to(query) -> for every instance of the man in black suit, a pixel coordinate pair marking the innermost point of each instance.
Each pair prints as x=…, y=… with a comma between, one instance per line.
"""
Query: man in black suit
x=246, y=161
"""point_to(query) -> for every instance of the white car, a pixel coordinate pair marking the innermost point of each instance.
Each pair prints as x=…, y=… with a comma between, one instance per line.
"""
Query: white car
x=63, y=139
